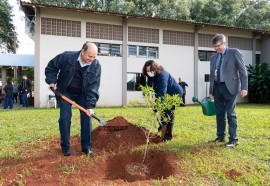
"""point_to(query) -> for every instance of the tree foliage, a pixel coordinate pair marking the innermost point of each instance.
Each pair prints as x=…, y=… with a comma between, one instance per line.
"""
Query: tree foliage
x=255, y=14
x=243, y=13
x=7, y=32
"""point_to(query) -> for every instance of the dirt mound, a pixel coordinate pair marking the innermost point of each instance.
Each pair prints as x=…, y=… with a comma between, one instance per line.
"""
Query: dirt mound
x=117, y=121
x=108, y=139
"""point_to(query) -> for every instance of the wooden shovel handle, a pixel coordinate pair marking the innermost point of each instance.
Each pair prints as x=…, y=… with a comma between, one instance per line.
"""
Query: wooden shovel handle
x=57, y=93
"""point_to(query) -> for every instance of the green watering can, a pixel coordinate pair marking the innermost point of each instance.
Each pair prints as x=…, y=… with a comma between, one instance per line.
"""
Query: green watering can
x=207, y=104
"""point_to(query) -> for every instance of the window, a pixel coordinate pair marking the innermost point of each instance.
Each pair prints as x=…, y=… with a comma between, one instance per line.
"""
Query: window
x=105, y=49
x=240, y=43
x=60, y=27
x=205, y=55
x=132, y=51
x=152, y=52
x=258, y=58
x=143, y=52
x=115, y=50
x=134, y=80
x=171, y=37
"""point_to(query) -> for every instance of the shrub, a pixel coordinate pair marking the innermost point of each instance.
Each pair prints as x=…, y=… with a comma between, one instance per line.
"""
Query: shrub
x=259, y=83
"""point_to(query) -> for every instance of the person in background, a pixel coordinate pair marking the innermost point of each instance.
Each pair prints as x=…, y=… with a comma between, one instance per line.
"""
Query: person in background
x=77, y=76
x=26, y=86
x=163, y=83
x=20, y=93
x=228, y=76
x=183, y=85
x=1, y=94
x=9, y=99
x=15, y=92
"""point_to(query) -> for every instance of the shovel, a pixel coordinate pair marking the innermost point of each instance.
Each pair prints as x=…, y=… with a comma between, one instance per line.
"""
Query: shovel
x=58, y=94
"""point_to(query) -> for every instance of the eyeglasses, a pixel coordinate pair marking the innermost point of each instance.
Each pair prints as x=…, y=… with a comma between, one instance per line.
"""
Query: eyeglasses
x=216, y=46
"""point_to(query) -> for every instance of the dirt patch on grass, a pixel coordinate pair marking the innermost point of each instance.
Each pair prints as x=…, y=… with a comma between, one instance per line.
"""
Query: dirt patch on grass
x=114, y=161
x=232, y=174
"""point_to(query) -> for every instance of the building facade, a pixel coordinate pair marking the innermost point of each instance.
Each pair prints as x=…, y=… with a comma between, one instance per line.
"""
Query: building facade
x=125, y=43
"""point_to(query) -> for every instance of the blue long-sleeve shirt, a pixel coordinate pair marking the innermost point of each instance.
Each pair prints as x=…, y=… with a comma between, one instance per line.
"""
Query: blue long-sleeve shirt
x=164, y=83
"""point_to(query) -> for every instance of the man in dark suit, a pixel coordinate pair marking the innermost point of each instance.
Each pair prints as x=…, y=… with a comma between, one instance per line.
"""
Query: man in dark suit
x=77, y=76
x=228, y=76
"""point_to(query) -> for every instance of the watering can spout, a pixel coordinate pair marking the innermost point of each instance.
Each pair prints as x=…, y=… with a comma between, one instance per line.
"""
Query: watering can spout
x=195, y=99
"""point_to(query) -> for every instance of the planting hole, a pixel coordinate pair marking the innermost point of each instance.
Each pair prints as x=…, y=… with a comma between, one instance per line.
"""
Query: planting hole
x=129, y=166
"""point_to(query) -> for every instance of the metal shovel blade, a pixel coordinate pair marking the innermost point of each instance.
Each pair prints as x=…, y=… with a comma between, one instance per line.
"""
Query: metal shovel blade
x=102, y=124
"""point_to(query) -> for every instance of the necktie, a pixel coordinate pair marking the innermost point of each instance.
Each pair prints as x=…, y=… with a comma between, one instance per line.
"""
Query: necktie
x=219, y=67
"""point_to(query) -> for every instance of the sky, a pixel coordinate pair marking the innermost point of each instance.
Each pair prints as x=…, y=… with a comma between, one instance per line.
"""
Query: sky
x=26, y=45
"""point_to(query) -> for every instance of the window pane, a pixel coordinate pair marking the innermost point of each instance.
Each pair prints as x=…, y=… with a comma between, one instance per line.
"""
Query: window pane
x=143, y=51
x=131, y=80
x=104, y=49
x=132, y=50
x=115, y=50
x=152, y=52
x=258, y=58
x=209, y=54
x=202, y=55
x=134, y=80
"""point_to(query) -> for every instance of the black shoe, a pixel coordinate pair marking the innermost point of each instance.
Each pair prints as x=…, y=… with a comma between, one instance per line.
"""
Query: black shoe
x=88, y=152
x=232, y=143
x=166, y=139
x=217, y=140
x=66, y=152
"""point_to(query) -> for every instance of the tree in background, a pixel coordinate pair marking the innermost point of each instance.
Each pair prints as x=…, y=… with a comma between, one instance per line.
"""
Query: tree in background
x=8, y=41
x=243, y=13
x=255, y=14
x=215, y=12
x=174, y=9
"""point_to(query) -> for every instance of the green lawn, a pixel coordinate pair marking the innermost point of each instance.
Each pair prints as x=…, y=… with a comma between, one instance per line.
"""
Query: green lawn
x=200, y=162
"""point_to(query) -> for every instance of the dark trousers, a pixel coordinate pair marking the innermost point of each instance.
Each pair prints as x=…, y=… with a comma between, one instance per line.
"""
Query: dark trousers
x=20, y=98
x=184, y=98
x=225, y=104
x=169, y=114
x=15, y=97
x=8, y=102
x=25, y=99
x=65, y=122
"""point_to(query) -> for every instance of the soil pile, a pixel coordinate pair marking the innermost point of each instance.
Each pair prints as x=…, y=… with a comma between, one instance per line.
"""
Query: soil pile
x=119, y=135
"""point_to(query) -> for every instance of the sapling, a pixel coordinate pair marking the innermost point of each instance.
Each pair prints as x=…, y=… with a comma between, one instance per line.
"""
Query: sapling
x=156, y=112
x=157, y=108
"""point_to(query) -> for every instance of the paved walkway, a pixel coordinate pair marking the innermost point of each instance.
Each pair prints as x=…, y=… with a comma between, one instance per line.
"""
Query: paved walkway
x=15, y=106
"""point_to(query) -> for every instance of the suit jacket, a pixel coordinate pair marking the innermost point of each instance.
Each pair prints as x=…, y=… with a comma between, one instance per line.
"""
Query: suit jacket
x=233, y=71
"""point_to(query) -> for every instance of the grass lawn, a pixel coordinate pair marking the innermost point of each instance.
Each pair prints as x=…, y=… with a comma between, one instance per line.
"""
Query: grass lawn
x=200, y=162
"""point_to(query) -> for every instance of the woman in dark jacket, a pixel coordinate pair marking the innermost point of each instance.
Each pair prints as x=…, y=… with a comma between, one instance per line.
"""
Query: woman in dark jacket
x=163, y=83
